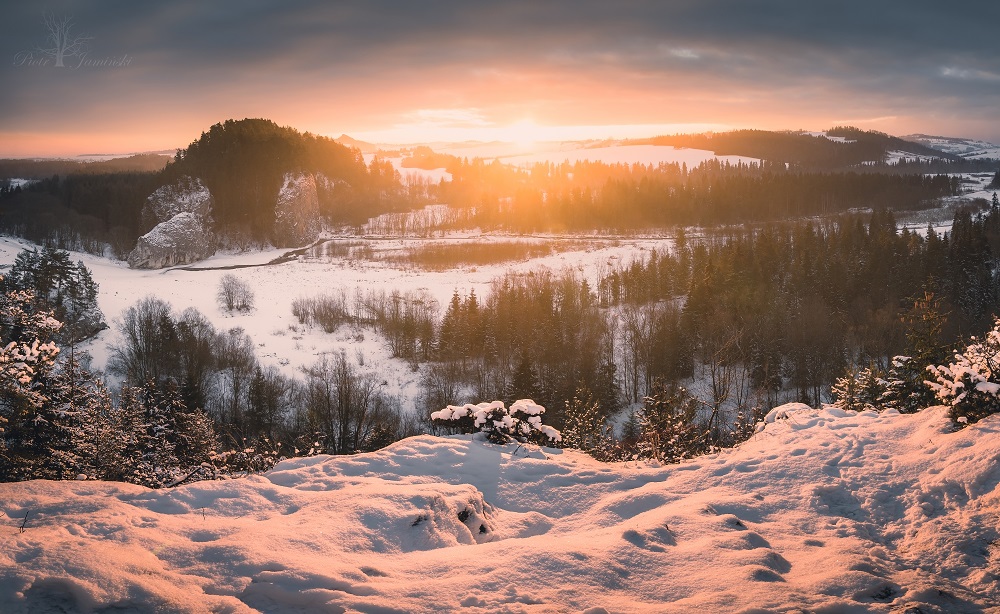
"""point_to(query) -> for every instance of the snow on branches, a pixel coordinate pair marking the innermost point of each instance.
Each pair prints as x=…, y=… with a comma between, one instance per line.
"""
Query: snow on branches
x=521, y=422
x=26, y=349
x=970, y=384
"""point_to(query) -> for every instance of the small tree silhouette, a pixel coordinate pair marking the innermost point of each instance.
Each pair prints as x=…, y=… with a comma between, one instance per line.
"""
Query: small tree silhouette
x=235, y=294
x=64, y=44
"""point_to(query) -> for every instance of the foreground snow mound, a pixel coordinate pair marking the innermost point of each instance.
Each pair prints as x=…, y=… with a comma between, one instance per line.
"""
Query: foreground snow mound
x=823, y=510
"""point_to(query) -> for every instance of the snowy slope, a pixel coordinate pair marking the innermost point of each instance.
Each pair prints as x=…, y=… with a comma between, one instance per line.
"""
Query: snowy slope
x=822, y=511
x=967, y=148
x=558, y=153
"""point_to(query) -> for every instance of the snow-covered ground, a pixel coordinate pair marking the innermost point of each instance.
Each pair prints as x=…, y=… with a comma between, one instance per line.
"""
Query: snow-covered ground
x=822, y=511
x=973, y=188
x=571, y=152
x=895, y=157
x=838, y=139
x=281, y=341
x=967, y=148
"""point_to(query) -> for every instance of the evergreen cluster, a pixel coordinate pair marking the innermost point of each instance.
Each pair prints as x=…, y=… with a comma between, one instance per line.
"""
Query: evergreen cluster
x=852, y=147
x=621, y=197
x=56, y=283
x=243, y=164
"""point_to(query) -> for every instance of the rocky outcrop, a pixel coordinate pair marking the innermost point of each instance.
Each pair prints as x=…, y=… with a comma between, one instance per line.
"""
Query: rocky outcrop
x=182, y=234
x=186, y=195
x=180, y=240
x=296, y=214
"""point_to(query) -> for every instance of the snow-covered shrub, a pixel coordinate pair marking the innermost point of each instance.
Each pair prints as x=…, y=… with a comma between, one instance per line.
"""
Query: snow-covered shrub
x=521, y=422
x=860, y=389
x=971, y=384
x=256, y=456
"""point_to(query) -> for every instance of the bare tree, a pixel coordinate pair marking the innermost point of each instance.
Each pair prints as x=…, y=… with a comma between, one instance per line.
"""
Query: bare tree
x=147, y=350
x=236, y=363
x=235, y=294
x=64, y=44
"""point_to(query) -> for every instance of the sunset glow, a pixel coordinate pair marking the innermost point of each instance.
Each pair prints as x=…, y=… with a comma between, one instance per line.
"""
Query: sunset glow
x=155, y=77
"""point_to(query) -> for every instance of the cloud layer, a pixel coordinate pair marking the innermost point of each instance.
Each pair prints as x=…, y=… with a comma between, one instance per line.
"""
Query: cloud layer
x=157, y=74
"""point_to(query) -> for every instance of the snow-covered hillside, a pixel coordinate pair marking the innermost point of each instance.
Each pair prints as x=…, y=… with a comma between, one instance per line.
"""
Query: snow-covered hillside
x=572, y=152
x=967, y=148
x=822, y=511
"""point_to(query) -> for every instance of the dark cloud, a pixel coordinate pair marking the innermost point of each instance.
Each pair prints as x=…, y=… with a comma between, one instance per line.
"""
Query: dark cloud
x=889, y=57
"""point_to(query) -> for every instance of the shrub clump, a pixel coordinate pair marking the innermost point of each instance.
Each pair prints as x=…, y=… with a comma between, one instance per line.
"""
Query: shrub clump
x=521, y=422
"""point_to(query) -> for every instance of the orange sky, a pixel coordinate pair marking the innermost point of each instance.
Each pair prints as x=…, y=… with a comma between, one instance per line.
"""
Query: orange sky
x=154, y=77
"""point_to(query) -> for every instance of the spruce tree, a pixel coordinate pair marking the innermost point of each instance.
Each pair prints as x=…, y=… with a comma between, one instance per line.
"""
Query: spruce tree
x=669, y=432
x=586, y=427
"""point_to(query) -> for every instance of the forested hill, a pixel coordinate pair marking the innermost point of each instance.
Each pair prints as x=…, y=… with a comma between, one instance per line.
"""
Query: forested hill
x=802, y=149
x=243, y=163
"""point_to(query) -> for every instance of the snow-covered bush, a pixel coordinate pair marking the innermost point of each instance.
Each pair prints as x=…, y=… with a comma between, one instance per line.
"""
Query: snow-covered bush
x=255, y=456
x=521, y=422
x=971, y=384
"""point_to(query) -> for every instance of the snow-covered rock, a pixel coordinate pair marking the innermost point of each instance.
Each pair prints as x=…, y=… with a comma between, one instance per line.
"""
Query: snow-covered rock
x=186, y=195
x=296, y=214
x=182, y=214
x=182, y=239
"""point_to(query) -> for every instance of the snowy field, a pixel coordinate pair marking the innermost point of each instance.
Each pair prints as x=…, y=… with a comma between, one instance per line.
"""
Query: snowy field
x=280, y=339
x=557, y=153
x=823, y=511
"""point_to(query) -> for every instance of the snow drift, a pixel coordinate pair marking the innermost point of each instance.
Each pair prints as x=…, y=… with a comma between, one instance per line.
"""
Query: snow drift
x=822, y=510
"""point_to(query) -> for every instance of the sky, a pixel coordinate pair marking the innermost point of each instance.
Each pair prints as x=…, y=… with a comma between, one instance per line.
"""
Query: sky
x=154, y=75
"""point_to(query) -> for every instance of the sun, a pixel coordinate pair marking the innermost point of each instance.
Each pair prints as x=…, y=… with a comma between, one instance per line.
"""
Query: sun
x=524, y=133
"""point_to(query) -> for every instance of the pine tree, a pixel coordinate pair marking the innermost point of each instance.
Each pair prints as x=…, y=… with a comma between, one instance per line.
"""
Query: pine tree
x=27, y=358
x=524, y=382
x=667, y=423
x=586, y=427
x=859, y=389
x=905, y=390
x=970, y=383
x=163, y=441
x=57, y=284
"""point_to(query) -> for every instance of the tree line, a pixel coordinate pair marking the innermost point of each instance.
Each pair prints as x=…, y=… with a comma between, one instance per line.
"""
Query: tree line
x=588, y=196
x=851, y=146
